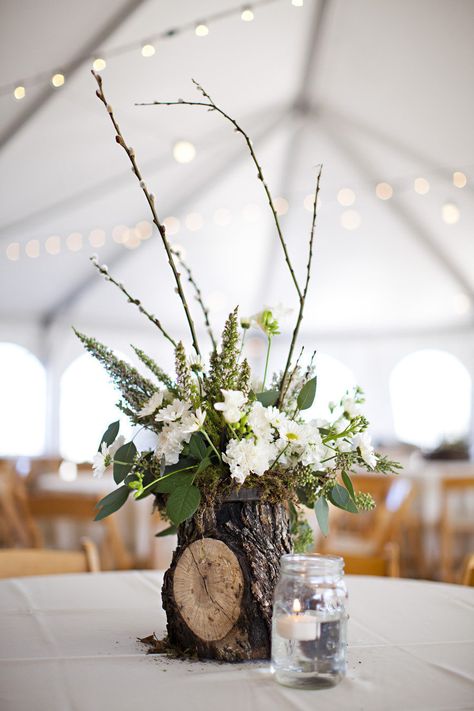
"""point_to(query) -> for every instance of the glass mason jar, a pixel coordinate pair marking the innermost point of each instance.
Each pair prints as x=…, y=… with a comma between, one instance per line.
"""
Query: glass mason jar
x=309, y=622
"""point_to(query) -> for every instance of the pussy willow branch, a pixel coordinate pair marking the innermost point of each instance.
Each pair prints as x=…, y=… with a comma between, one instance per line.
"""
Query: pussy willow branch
x=211, y=106
x=284, y=390
x=199, y=297
x=105, y=272
x=151, y=202
x=305, y=290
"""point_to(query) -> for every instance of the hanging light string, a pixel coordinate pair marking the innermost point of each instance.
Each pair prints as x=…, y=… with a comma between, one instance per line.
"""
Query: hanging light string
x=57, y=76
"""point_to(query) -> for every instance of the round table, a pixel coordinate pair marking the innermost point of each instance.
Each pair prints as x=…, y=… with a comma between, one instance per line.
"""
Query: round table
x=70, y=643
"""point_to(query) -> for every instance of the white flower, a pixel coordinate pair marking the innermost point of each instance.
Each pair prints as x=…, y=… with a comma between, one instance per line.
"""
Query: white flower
x=173, y=412
x=193, y=421
x=268, y=319
x=105, y=456
x=245, y=456
x=293, y=433
x=195, y=362
x=259, y=420
x=231, y=408
x=363, y=444
x=170, y=442
x=152, y=404
x=340, y=425
x=350, y=407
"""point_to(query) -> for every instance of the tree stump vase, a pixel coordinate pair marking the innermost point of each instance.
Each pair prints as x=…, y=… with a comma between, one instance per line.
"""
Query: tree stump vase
x=218, y=591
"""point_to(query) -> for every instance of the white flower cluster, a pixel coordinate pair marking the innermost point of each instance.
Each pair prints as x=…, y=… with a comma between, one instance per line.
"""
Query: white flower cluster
x=179, y=423
x=269, y=436
x=105, y=456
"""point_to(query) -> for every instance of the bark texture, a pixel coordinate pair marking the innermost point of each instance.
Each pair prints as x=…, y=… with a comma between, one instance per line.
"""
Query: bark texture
x=218, y=591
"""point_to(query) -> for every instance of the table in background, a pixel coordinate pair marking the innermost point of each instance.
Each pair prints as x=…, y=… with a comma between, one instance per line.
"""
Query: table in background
x=70, y=642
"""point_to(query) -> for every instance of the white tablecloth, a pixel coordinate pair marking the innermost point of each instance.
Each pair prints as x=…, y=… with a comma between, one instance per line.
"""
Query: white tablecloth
x=69, y=643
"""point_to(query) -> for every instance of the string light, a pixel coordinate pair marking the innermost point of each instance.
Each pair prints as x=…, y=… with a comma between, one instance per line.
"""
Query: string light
x=384, y=191
x=172, y=225
x=133, y=239
x=450, y=213
x=459, y=179
x=58, y=80
x=74, y=241
x=297, y=3
x=99, y=64
x=194, y=221
x=19, y=93
x=247, y=14
x=308, y=202
x=13, y=251
x=222, y=217
x=144, y=229
x=201, y=30
x=148, y=50
x=421, y=186
x=32, y=248
x=345, y=197
x=350, y=219
x=53, y=245
x=281, y=205
x=184, y=152
x=97, y=238
x=119, y=233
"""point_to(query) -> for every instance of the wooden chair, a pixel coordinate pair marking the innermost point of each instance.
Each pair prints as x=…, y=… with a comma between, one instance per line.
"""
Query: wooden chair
x=20, y=562
x=387, y=565
x=17, y=526
x=49, y=506
x=460, y=490
x=468, y=571
x=367, y=534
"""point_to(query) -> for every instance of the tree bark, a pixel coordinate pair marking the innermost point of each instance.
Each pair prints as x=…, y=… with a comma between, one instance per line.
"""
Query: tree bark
x=218, y=591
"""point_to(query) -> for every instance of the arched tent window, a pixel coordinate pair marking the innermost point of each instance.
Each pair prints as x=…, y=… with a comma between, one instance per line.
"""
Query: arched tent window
x=334, y=378
x=23, y=402
x=87, y=406
x=430, y=391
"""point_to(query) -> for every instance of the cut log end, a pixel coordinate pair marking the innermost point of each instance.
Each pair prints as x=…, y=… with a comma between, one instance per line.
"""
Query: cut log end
x=208, y=586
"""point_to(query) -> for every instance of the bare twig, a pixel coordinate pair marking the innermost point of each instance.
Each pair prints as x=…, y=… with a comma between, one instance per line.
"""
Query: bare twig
x=284, y=390
x=105, y=272
x=211, y=106
x=151, y=202
x=308, y=275
x=199, y=296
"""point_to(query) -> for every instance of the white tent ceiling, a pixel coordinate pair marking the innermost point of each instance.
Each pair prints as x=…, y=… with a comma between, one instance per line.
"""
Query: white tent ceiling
x=377, y=90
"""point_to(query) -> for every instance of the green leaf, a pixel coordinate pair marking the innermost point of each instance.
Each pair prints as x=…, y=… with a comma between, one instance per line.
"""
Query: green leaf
x=268, y=398
x=178, y=479
x=197, y=447
x=167, y=532
x=307, y=394
x=110, y=434
x=348, y=484
x=303, y=496
x=206, y=462
x=123, y=460
x=321, y=510
x=340, y=497
x=112, y=502
x=183, y=503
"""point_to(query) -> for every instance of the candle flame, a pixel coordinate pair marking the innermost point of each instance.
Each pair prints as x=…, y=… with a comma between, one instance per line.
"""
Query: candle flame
x=296, y=606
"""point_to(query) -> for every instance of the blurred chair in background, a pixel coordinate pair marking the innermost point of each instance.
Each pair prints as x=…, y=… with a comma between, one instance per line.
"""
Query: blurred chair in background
x=468, y=571
x=457, y=524
x=20, y=562
x=368, y=534
x=386, y=565
x=17, y=526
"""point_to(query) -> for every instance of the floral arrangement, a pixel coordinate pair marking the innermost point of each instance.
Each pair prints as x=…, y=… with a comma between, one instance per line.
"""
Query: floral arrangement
x=218, y=427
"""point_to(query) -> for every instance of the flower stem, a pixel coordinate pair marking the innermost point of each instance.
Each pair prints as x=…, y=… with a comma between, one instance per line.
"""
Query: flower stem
x=211, y=444
x=266, y=361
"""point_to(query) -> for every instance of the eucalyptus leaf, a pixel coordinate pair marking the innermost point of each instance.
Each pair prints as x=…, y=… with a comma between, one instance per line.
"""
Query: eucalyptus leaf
x=167, y=532
x=349, y=485
x=110, y=434
x=112, y=502
x=307, y=394
x=183, y=503
x=206, y=462
x=340, y=497
x=123, y=460
x=268, y=398
x=321, y=510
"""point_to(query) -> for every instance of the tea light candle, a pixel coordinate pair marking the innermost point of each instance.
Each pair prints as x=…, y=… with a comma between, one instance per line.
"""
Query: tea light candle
x=300, y=627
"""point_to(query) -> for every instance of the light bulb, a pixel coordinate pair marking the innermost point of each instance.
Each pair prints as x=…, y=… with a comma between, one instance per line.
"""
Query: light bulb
x=450, y=213
x=280, y=205
x=350, y=219
x=172, y=225
x=98, y=64
x=32, y=248
x=421, y=186
x=247, y=14
x=201, y=30
x=346, y=197
x=19, y=93
x=194, y=221
x=53, y=244
x=184, y=152
x=58, y=80
x=459, y=179
x=148, y=50
x=97, y=238
x=384, y=191
x=13, y=251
